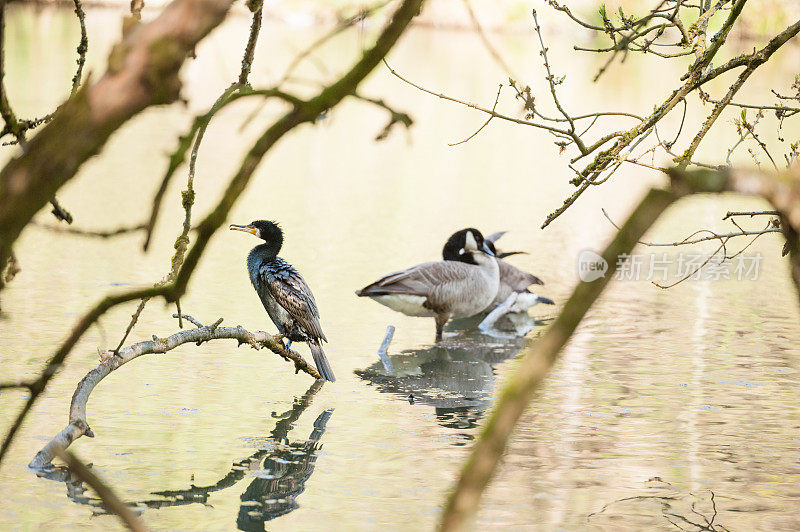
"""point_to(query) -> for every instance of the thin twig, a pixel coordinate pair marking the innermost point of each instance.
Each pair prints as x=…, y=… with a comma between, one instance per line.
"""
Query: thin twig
x=486, y=42
x=689, y=240
x=91, y=233
x=497, y=99
x=750, y=213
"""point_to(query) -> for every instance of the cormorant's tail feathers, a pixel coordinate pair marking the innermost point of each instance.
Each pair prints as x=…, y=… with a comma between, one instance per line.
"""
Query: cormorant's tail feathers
x=321, y=361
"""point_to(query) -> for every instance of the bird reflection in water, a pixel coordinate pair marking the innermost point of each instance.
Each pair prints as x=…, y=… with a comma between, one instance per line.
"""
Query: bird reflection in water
x=281, y=469
x=455, y=376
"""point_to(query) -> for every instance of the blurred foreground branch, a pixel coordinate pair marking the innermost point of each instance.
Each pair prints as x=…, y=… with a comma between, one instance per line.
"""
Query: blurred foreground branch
x=539, y=357
x=782, y=190
x=142, y=71
x=109, y=498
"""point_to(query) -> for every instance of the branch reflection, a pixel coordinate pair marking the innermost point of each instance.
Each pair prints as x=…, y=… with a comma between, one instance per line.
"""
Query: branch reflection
x=280, y=467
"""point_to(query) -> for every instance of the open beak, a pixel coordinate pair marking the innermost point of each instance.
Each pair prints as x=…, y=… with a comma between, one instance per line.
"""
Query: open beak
x=246, y=228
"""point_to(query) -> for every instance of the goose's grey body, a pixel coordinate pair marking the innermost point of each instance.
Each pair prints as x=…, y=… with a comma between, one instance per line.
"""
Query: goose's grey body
x=432, y=288
x=443, y=289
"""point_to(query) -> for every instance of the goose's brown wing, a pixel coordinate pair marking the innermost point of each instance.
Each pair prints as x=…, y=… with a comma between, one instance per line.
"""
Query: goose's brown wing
x=419, y=280
x=291, y=292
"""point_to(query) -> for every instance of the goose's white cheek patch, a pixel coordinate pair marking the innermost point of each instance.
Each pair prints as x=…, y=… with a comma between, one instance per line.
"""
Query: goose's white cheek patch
x=470, y=242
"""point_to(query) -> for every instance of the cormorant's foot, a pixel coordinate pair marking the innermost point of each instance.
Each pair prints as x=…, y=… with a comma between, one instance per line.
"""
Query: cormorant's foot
x=285, y=342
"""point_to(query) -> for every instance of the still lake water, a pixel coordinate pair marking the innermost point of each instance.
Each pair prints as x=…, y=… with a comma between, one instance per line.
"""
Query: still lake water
x=661, y=399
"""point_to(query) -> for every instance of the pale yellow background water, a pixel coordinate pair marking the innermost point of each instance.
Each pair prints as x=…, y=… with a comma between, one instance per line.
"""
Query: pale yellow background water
x=697, y=385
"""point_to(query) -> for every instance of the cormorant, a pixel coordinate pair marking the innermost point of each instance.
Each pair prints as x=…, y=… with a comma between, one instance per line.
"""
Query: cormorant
x=285, y=295
x=443, y=289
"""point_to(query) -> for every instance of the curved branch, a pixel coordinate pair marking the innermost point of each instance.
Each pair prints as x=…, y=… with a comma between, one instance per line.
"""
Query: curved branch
x=78, y=426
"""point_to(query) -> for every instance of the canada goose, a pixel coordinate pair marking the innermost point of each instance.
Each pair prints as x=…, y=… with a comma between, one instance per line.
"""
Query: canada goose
x=443, y=289
x=284, y=294
x=512, y=279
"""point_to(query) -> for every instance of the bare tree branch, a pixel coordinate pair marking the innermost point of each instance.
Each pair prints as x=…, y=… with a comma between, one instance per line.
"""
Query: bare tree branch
x=782, y=190
x=537, y=360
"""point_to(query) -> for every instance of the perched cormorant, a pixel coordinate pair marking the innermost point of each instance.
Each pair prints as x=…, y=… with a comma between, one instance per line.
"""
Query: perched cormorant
x=512, y=279
x=285, y=295
x=443, y=289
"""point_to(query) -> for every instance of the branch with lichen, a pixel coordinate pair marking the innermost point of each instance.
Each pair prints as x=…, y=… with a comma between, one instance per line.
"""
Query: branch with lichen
x=109, y=362
x=675, y=25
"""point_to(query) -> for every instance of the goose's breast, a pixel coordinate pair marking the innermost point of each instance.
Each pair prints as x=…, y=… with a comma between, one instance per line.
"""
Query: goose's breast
x=409, y=305
x=475, y=295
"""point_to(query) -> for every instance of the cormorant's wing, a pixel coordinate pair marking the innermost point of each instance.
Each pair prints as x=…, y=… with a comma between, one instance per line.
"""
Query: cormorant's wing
x=291, y=292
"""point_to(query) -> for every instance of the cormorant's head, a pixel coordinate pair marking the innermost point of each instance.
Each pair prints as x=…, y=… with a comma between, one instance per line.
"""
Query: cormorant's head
x=267, y=231
x=466, y=245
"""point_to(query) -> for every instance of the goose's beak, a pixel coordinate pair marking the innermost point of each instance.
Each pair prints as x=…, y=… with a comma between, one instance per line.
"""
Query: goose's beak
x=486, y=249
x=246, y=228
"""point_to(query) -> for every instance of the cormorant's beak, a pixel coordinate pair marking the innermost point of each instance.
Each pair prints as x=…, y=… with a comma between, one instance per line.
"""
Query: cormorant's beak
x=246, y=228
x=486, y=249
